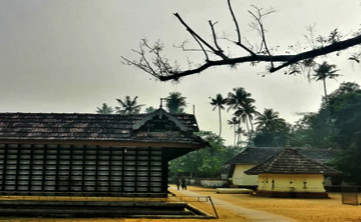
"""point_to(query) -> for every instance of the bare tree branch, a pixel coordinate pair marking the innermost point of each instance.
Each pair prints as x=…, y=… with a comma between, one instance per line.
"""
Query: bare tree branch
x=287, y=59
x=258, y=17
x=202, y=48
x=310, y=36
x=195, y=35
x=183, y=47
x=153, y=62
x=142, y=63
x=159, y=61
x=335, y=47
x=214, y=35
x=158, y=66
x=238, y=31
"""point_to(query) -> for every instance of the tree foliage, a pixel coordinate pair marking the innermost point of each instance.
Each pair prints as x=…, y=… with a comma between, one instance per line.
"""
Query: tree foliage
x=325, y=71
x=218, y=103
x=105, y=109
x=346, y=116
x=128, y=106
x=175, y=102
x=216, y=53
x=272, y=130
x=336, y=125
x=234, y=122
x=345, y=106
x=269, y=120
x=313, y=130
x=150, y=109
x=242, y=102
x=208, y=162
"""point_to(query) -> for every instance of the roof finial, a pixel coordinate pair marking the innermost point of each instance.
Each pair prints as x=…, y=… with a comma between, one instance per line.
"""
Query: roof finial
x=161, y=102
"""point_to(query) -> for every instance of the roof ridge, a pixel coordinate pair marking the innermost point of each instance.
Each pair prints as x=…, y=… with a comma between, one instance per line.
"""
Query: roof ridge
x=89, y=127
x=291, y=161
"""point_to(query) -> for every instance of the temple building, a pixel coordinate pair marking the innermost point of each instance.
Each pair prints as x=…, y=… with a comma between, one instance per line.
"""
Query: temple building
x=251, y=156
x=291, y=174
x=92, y=154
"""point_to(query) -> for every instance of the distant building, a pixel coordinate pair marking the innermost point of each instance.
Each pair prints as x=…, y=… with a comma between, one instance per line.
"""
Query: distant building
x=251, y=156
x=291, y=174
x=92, y=154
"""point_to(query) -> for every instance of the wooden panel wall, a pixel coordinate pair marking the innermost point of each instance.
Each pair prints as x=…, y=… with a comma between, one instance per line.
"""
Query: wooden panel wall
x=81, y=170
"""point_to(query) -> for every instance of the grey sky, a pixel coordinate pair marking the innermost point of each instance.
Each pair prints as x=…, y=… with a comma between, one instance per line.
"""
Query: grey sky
x=64, y=55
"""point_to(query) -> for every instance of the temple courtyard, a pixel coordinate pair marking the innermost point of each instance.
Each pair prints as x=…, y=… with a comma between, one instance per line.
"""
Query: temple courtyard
x=245, y=207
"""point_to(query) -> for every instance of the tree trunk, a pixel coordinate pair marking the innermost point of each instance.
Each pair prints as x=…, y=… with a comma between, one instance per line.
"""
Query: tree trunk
x=247, y=125
x=324, y=88
x=238, y=132
x=235, y=135
x=220, y=121
x=251, y=124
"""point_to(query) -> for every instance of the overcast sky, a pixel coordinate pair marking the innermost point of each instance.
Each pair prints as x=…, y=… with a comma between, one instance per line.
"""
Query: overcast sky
x=65, y=55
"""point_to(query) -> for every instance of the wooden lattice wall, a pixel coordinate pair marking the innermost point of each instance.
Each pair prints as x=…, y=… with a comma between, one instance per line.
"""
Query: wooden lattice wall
x=40, y=169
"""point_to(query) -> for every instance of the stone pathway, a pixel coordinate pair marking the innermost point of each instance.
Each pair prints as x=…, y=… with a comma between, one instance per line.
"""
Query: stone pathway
x=255, y=215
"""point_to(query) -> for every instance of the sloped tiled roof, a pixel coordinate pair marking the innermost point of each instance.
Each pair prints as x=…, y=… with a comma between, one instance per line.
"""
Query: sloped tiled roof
x=89, y=127
x=320, y=155
x=290, y=161
x=253, y=155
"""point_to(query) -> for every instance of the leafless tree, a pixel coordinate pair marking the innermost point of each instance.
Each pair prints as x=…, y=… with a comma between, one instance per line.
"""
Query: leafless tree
x=153, y=62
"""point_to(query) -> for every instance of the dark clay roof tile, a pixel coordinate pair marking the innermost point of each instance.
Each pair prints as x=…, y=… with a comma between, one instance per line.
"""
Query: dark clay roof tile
x=290, y=161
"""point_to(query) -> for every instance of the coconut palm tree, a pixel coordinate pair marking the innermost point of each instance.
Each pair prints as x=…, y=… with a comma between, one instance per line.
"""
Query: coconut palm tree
x=239, y=132
x=175, y=102
x=241, y=101
x=128, y=106
x=325, y=71
x=105, y=109
x=250, y=111
x=238, y=98
x=234, y=123
x=242, y=116
x=246, y=113
x=219, y=103
x=270, y=121
x=150, y=109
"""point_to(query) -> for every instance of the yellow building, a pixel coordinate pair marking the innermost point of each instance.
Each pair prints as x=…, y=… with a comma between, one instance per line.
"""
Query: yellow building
x=290, y=174
x=249, y=157
x=245, y=160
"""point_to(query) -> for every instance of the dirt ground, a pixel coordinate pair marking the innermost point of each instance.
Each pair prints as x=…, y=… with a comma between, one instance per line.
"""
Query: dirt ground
x=299, y=209
x=312, y=210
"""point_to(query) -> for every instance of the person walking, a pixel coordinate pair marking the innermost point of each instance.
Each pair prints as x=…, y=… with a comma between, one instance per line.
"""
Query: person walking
x=184, y=184
x=178, y=182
